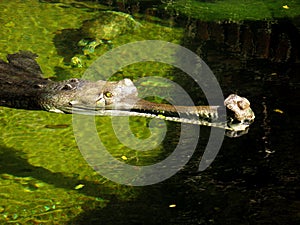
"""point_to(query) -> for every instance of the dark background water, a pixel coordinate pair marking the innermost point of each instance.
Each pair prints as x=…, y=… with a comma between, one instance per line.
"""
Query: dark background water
x=255, y=178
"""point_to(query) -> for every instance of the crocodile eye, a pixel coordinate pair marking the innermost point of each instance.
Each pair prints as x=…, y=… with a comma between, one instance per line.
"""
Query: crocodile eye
x=108, y=94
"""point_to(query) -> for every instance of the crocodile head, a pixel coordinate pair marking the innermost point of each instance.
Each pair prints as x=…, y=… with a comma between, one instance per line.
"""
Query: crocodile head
x=120, y=98
x=81, y=96
x=103, y=95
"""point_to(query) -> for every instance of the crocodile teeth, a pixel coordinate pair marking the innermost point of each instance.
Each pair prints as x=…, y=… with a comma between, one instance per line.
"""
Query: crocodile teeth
x=73, y=102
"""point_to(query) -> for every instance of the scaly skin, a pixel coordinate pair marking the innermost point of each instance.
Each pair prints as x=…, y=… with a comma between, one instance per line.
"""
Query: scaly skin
x=22, y=87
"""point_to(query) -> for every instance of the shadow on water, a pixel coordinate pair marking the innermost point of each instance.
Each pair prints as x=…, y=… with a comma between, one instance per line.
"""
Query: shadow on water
x=14, y=164
x=150, y=208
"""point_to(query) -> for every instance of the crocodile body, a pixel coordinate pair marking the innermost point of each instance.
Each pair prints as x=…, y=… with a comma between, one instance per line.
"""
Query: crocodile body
x=21, y=86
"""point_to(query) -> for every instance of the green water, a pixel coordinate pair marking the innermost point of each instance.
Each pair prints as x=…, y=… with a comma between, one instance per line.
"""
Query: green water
x=41, y=165
x=235, y=10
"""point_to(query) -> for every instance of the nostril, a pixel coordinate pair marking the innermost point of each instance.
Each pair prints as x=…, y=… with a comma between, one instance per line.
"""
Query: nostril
x=243, y=104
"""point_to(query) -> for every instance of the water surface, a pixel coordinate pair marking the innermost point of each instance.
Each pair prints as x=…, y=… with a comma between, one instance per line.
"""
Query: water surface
x=44, y=179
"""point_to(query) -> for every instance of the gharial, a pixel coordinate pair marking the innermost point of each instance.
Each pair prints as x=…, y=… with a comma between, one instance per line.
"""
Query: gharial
x=22, y=86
